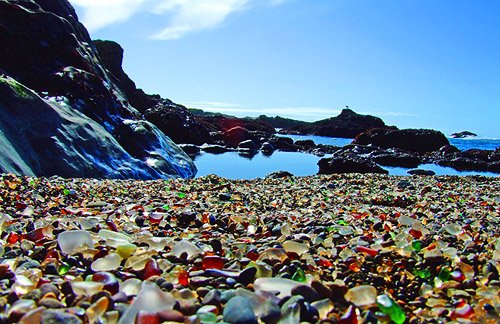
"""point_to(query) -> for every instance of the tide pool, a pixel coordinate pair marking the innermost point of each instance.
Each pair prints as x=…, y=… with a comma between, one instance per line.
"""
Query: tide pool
x=232, y=165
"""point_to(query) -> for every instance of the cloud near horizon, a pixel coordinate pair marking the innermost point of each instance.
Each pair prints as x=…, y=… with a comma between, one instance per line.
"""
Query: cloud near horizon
x=181, y=16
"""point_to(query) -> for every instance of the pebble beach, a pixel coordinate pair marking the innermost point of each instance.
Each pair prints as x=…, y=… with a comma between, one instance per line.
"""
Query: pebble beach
x=321, y=249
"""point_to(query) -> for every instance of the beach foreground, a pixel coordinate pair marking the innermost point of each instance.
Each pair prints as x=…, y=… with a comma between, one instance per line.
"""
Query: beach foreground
x=337, y=248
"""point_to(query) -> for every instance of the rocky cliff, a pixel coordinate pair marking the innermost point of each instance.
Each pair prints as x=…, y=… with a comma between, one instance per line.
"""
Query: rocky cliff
x=62, y=112
x=347, y=124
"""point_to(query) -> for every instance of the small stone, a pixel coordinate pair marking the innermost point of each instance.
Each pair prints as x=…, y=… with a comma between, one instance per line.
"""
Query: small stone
x=49, y=287
x=247, y=276
x=59, y=317
x=30, y=264
x=213, y=297
x=421, y=172
x=270, y=311
x=321, y=289
x=50, y=303
x=362, y=295
x=74, y=241
x=171, y=315
x=239, y=310
x=199, y=281
x=309, y=294
x=225, y=196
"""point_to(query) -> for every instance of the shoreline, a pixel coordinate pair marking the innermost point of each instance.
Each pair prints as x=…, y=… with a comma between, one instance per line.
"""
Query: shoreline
x=328, y=244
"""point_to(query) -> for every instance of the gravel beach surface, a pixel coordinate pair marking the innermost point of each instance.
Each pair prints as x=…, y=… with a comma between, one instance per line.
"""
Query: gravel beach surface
x=331, y=249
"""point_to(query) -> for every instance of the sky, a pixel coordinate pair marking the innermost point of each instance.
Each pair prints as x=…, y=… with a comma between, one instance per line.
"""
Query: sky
x=413, y=63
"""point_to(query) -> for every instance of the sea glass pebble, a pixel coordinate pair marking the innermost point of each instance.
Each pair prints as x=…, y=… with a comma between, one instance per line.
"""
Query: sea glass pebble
x=71, y=242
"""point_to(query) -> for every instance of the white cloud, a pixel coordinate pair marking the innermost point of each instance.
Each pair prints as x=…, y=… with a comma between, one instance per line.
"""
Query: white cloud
x=181, y=16
x=98, y=14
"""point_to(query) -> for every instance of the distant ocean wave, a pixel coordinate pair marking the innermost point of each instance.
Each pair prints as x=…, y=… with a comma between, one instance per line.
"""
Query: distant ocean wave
x=475, y=143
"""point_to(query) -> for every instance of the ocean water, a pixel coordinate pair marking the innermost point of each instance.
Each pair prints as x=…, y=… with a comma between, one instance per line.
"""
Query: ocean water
x=475, y=143
x=232, y=165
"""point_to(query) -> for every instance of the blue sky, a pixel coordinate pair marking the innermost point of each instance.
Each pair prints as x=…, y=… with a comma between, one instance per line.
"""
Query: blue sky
x=414, y=63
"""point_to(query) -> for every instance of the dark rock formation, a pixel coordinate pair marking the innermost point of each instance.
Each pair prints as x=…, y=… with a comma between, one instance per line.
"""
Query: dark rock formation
x=79, y=106
x=178, y=123
x=348, y=164
x=464, y=134
x=397, y=159
x=279, y=175
x=223, y=123
x=472, y=160
x=413, y=140
x=349, y=160
x=421, y=172
x=347, y=125
x=174, y=120
x=281, y=122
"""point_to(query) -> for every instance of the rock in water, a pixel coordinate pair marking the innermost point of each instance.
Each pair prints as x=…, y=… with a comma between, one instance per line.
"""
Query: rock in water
x=60, y=108
x=413, y=140
x=239, y=310
x=347, y=125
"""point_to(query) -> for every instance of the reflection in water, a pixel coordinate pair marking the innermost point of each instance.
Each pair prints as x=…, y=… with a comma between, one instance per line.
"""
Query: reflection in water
x=232, y=165
x=251, y=165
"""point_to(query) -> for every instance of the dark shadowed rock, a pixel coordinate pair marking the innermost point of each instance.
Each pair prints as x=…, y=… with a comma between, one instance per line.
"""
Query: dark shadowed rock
x=248, y=145
x=397, y=159
x=464, y=134
x=348, y=163
x=267, y=148
x=279, y=175
x=413, y=140
x=174, y=120
x=236, y=135
x=305, y=143
x=178, y=123
x=76, y=103
x=421, y=172
x=347, y=125
x=239, y=310
x=214, y=149
x=224, y=123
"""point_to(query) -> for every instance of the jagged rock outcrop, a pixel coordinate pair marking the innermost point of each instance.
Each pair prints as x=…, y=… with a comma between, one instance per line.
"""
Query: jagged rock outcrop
x=280, y=122
x=471, y=160
x=62, y=111
x=346, y=125
x=412, y=140
x=464, y=134
x=173, y=119
x=344, y=162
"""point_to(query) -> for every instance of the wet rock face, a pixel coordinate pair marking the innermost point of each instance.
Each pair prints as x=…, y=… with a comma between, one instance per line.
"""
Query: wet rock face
x=347, y=125
x=174, y=120
x=413, y=140
x=346, y=162
x=178, y=123
x=78, y=103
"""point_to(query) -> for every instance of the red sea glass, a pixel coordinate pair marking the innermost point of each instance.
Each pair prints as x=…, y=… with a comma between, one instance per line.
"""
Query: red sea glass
x=151, y=269
x=463, y=311
x=13, y=238
x=144, y=317
x=110, y=282
x=183, y=278
x=213, y=262
x=366, y=250
x=349, y=317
